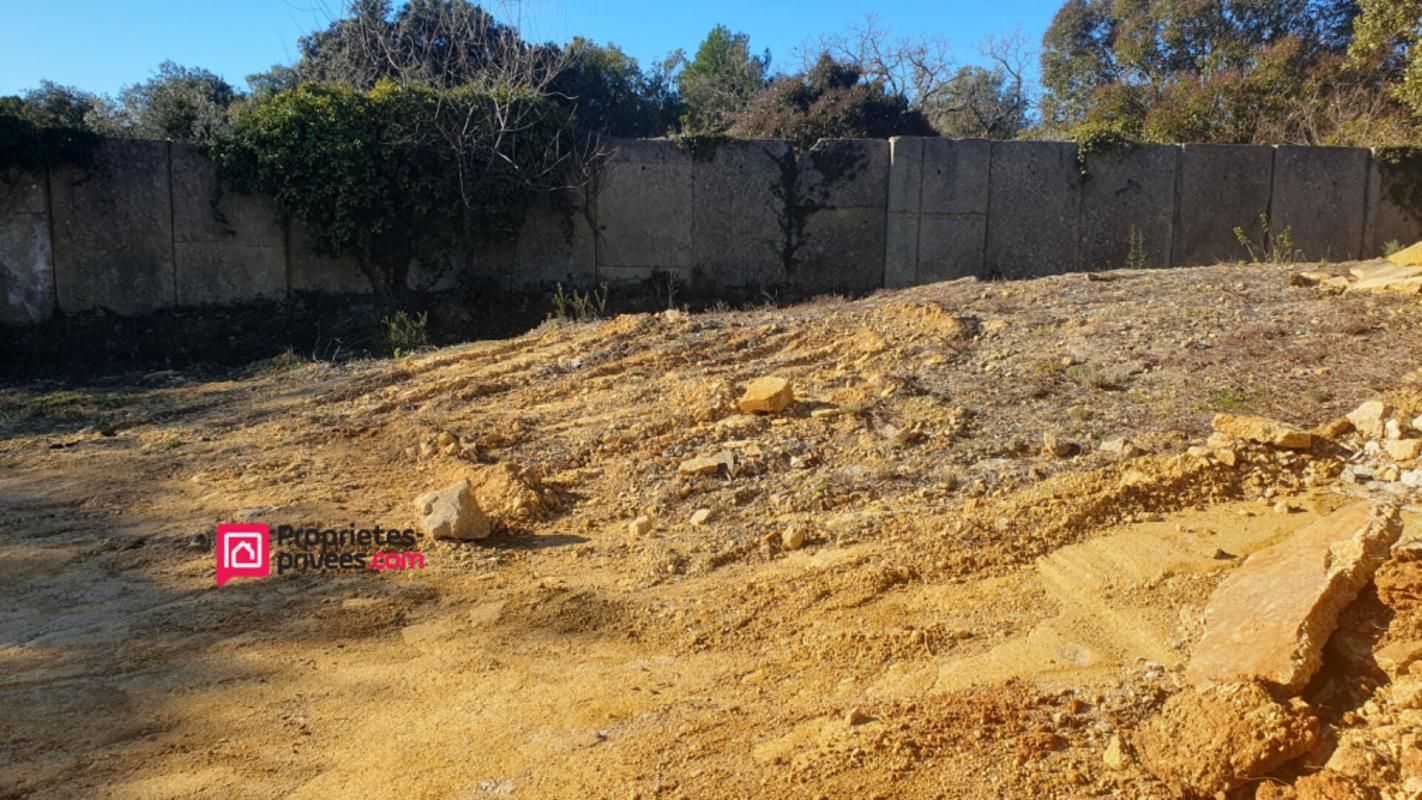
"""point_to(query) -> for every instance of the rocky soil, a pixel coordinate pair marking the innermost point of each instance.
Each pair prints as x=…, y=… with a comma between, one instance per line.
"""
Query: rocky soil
x=962, y=546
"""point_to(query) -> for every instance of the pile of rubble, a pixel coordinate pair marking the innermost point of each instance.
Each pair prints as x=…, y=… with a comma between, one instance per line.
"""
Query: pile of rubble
x=1399, y=273
x=1259, y=716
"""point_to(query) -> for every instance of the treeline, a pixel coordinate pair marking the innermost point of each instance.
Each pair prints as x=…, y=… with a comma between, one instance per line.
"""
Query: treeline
x=1301, y=71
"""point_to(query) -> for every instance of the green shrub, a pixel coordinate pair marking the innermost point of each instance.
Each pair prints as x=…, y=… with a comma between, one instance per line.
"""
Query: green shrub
x=401, y=172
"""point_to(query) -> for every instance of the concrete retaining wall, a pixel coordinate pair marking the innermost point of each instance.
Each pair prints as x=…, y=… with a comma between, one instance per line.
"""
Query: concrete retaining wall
x=149, y=225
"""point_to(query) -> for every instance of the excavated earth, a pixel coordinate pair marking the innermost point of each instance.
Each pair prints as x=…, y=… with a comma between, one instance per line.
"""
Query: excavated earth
x=925, y=578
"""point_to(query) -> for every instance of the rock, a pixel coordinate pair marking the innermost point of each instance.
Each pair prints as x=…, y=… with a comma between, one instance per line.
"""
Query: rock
x=1370, y=418
x=640, y=526
x=1119, y=446
x=856, y=717
x=1203, y=742
x=1056, y=447
x=701, y=516
x=792, y=538
x=1334, y=429
x=766, y=395
x=1262, y=430
x=1115, y=756
x=1283, y=507
x=453, y=513
x=1269, y=619
x=1403, y=449
x=1398, y=657
x=708, y=465
x=1408, y=256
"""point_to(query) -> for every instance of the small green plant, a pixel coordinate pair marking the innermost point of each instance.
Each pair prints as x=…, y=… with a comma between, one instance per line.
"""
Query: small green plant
x=1235, y=401
x=403, y=334
x=665, y=286
x=1269, y=248
x=1392, y=248
x=1137, y=258
x=576, y=306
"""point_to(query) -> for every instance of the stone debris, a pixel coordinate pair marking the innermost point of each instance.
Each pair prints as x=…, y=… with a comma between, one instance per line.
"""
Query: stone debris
x=1119, y=446
x=708, y=465
x=1386, y=277
x=766, y=396
x=1262, y=430
x=1269, y=619
x=1370, y=419
x=792, y=538
x=453, y=513
x=701, y=516
x=1204, y=742
x=640, y=526
x=1056, y=447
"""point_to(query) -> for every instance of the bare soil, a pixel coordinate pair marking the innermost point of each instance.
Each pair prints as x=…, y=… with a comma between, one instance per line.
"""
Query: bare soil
x=969, y=616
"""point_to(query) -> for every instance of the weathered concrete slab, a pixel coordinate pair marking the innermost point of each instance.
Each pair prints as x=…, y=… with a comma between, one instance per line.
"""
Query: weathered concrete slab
x=1269, y=620
x=113, y=230
x=1034, y=207
x=1320, y=195
x=555, y=245
x=1394, y=205
x=26, y=262
x=1222, y=187
x=308, y=272
x=838, y=220
x=228, y=247
x=738, y=223
x=1128, y=207
x=644, y=207
x=938, y=196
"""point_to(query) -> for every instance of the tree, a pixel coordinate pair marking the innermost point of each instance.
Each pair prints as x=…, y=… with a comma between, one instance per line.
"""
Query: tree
x=979, y=103
x=829, y=101
x=180, y=103
x=1205, y=70
x=611, y=94
x=721, y=81
x=1387, y=36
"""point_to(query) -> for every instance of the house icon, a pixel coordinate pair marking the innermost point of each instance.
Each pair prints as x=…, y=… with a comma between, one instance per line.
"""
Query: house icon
x=243, y=554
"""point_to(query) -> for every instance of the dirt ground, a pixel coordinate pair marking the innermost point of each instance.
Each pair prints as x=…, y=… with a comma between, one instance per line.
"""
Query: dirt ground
x=969, y=616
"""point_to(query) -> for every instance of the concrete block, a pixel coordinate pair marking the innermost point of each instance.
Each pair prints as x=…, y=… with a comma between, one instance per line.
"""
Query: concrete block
x=644, y=207
x=309, y=272
x=26, y=263
x=901, y=251
x=228, y=247
x=1394, y=206
x=955, y=176
x=113, y=230
x=738, y=220
x=1033, y=208
x=554, y=245
x=950, y=247
x=1128, y=194
x=905, y=174
x=844, y=173
x=1222, y=187
x=841, y=251
x=838, y=223
x=1320, y=195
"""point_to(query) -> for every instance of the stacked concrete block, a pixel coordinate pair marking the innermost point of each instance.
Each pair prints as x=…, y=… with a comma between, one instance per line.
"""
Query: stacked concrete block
x=644, y=211
x=837, y=218
x=1033, y=209
x=227, y=247
x=1222, y=187
x=1128, y=207
x=1320, y=199
x=26, y=262
x=113, y=230
x=937, y=215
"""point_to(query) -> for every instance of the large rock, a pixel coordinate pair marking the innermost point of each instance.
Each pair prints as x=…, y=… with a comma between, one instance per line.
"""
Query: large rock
x=1262, y=430
x=1268, y=621
x=1214, y=740
x=766, y=395
x=453, y=513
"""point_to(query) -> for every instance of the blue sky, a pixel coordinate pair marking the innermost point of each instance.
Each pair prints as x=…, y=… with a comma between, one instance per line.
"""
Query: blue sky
x=103, y=45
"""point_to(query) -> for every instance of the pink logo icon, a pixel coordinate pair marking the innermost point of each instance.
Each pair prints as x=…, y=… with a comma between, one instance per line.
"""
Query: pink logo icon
x=242, y=551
